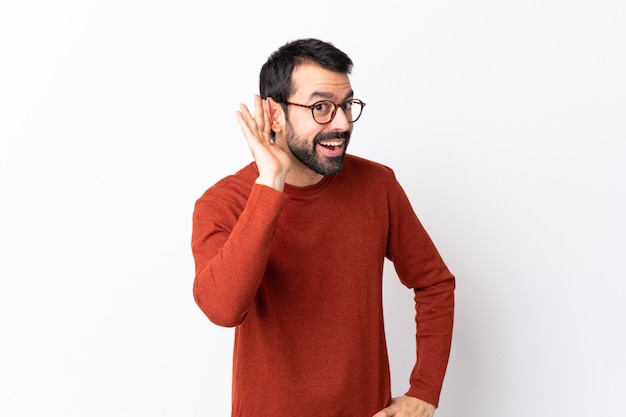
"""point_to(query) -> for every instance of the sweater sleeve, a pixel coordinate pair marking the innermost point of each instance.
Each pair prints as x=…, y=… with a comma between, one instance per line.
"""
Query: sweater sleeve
x=231, y=250
x=420, y=267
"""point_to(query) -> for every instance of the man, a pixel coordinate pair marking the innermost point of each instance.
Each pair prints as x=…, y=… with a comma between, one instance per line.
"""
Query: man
x=290, y=250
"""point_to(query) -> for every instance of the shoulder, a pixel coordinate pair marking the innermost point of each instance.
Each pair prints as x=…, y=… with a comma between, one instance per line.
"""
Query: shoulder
x=232, y=190
x=367, y=170
x=241, y=180
x=371, y=179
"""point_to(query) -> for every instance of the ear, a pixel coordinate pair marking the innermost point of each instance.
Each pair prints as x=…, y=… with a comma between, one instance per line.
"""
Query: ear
x=276, y=115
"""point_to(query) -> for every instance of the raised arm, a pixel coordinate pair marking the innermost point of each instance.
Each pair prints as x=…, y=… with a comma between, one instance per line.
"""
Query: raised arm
x=233, y=230
x=231, y=247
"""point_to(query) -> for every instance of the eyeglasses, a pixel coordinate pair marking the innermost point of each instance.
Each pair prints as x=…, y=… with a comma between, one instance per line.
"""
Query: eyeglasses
x=324, y=111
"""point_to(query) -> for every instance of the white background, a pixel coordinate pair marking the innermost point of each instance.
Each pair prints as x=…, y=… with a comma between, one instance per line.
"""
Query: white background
x=504, y=121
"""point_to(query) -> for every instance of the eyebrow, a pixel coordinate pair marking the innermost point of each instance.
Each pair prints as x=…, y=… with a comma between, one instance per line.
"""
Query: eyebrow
x=329, y=96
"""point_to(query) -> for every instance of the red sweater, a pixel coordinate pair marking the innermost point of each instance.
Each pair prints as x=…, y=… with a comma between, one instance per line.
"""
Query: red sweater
x=300, y=275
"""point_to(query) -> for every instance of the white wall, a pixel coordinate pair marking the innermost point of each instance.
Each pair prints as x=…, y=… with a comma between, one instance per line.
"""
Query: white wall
x=503, y=120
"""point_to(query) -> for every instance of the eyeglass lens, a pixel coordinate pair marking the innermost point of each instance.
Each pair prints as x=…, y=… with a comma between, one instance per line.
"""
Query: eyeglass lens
x=325, y=111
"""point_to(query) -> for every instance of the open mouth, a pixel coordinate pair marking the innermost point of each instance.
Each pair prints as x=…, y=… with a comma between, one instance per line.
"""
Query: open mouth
x=332, y=144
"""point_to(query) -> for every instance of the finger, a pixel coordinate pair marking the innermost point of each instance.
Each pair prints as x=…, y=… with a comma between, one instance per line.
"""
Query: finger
x=259, y=113
x=384, y=413
x=249, y=119
x=244, y=117
x=248, y=126
x=266, y=118
x=243, y=109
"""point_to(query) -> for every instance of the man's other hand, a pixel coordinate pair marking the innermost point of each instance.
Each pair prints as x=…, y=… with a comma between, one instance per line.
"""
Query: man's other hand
x=407, y=407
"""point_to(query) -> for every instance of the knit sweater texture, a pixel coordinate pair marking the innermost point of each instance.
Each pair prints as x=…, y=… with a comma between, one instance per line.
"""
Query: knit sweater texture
x=299, y=273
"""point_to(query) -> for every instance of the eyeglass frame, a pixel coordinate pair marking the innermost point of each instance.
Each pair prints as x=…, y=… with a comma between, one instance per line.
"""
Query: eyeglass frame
x=334, y=112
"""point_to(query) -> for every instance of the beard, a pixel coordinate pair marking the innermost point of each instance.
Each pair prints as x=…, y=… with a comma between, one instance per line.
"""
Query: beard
x=305, y=152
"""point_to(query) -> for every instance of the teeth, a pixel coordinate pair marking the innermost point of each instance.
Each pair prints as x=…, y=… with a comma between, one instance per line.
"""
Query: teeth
x=331, y=143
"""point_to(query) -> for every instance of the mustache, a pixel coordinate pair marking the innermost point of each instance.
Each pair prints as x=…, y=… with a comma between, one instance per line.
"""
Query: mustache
x=331, y=135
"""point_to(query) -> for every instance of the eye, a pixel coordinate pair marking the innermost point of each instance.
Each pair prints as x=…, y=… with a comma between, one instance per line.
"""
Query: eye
x=323, y=107
x=347, y=105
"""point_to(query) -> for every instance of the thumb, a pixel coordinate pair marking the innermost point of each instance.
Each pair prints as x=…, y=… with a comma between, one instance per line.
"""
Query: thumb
x=386, y=412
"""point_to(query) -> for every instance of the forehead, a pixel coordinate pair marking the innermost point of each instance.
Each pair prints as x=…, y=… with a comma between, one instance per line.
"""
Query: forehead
x=312, y=81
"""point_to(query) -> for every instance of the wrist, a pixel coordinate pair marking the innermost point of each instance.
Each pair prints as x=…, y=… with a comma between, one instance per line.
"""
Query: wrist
x=275, y=182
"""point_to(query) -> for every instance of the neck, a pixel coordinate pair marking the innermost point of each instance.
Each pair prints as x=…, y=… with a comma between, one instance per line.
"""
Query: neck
x=303, y=176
